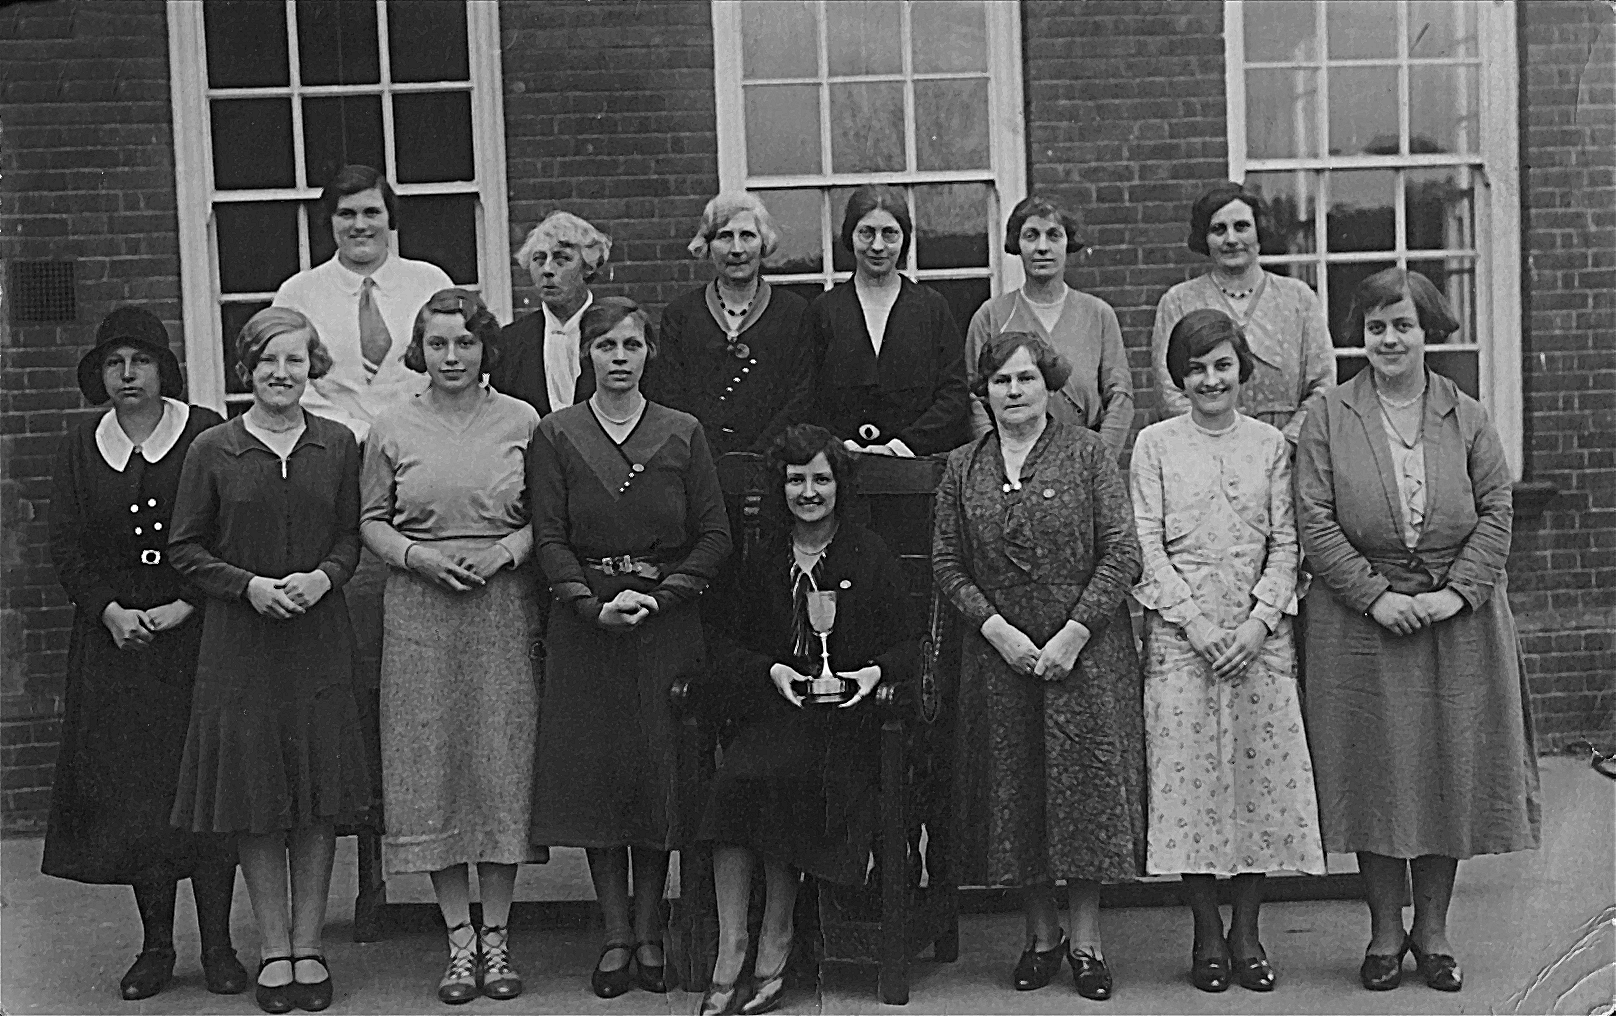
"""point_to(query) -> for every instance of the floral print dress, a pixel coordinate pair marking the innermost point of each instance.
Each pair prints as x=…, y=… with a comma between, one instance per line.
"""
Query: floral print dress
x=1230, y=780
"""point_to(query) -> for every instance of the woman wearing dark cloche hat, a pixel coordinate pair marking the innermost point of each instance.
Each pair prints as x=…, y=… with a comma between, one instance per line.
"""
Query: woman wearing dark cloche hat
x=132, y=654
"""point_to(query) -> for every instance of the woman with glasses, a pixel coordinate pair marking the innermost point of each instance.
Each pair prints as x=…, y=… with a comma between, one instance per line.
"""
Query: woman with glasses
x=889, y=360
x=1417, y=707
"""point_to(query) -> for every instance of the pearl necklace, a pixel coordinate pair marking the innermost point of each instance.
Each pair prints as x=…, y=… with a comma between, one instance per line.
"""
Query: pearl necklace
x=595, y=405
x=1399, y=404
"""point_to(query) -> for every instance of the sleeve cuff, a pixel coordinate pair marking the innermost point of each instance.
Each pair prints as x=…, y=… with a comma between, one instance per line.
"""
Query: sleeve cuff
x=1269, y=615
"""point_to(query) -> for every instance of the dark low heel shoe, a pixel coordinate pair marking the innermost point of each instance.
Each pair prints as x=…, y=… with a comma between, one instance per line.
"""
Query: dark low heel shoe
x=222, y=972
x=149, y=974
x=651, y=977
x=312, y=996
x=1381, y=972
x=279, y=998
x=611, y=983
x=1037, y=968
x=1440, y=970
x=1090, y=976
x=1254, y=973
x=1210, y=973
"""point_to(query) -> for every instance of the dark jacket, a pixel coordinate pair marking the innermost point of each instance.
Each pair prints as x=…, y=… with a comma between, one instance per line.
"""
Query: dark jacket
x=520, y=371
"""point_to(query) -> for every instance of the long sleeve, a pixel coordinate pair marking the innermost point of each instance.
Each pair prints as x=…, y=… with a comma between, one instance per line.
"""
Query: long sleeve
x=950, y=556
x=976, y=337
x=1332, y=557
x=1161, y=588
x=192, y=529
x=547, y=486
x=1116, y=387
x=704, y=509
x=1481, y=560
x=1275, y=591
x=85, y=585
x=1317, y=366
x=377, y=485
x=343, y=557
x=936, y=429
x=1117, y=562
x=1168, y=310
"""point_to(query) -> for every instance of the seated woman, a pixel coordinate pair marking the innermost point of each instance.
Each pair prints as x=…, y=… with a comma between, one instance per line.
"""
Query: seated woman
x=798, y=785
x=732, y=352
x=1231, y=785
x=889, y=360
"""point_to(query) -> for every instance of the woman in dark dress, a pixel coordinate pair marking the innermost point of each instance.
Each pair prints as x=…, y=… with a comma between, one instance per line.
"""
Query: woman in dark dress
x=733, y=353
x=267, y=526
x=888, y=356
x=799, y=785
x=1035, y=545
x=132, y=655
x=629, y=523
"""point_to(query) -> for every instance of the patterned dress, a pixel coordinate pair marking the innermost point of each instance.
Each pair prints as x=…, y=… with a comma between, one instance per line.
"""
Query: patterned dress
x=1231, y=785
x=1050, y=779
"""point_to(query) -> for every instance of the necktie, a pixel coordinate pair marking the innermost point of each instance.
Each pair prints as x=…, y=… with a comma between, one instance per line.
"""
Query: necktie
x=374, y=338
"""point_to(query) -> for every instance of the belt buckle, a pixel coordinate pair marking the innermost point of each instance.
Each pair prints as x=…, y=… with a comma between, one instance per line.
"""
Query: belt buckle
x=150, y=556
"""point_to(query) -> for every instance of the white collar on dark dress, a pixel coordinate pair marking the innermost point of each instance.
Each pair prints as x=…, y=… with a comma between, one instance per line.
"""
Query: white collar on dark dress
x=115, y=446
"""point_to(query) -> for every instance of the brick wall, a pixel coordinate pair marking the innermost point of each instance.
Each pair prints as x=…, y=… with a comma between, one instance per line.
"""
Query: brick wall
x=609, y=115
x=1563, y=569
x=86, y=174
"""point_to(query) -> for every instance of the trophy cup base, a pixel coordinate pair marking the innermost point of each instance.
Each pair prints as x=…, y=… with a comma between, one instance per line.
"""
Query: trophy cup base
x=828, y=691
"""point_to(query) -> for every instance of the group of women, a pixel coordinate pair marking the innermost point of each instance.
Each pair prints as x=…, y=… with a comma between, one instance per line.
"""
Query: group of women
x=212, y=714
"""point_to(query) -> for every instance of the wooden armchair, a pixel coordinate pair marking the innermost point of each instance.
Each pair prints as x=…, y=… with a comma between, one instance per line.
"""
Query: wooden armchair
x=911, y=901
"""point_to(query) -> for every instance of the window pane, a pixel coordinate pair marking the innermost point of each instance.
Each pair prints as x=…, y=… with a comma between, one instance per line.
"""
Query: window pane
x=952, y=223
x=1281, y=114
x=841, y=259
x=232, y=316
x=864, y=37
x=257, y=243
x=246, y=43
x=442, y=229
x=426, y=40
x=432, y=137
x=1360, y=29
x=782, y=130
x=1344, y=281
x=1454, y=278
x=322, y=245
x=1363, y=111
x=252, y=143
x=1441, y=28
x=964, y=296
x=1438, y=208
x=1444, y=112
x=796, y=215
x=779, y=39
x=1361, y=215
x=866, y=127
x=1280, y=30
x=951, y=124
x=1306, y=271
x=949, y=35
x=336, y=42
x=341, y=131
x=1289, y=195
x=1461, y=366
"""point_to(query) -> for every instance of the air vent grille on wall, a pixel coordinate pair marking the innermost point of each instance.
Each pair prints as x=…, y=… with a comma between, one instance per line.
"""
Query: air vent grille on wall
x=42, y=291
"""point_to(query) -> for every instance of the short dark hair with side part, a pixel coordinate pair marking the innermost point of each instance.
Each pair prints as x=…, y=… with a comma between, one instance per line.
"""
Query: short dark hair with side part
x=479, y=322
x=352, y=180
x=998, y=350
x=1389, y=285
x=1043, y=208
x=604, y=314
x=1197, y=334
x=875, y=196
x=1208, y=205
x=797, y=446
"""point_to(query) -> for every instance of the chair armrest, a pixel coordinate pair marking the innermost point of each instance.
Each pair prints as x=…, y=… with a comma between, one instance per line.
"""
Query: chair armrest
x=895, y=702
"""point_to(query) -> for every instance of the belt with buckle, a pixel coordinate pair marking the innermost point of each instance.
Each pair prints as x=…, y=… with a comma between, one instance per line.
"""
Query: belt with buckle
x=626, y=565
x=149, y=556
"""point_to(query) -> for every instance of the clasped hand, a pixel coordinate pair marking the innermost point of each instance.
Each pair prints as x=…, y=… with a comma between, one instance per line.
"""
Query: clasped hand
x=1402, y=614
x=288, y=597
x=1051, y=662
x=785, y=680
x=462, y=573
x=1230, y=651
x=627, y=609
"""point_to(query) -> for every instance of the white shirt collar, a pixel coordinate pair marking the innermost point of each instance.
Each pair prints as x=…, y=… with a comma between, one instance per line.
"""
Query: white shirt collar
x=115, y=446
x=555, y=324
x=350, y=281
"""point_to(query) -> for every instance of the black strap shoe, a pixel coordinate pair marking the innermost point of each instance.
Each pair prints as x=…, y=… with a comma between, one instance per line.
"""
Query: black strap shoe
x=312, y=996
x=149, y=974
x=1254, y=972
x=1037, y=968
x=1440, y=970
x=1381, y=972
x=1210, y=973
x=1090, y=976
x=277, y=999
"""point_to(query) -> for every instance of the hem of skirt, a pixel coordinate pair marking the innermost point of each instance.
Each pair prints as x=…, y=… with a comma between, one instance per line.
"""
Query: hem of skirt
x=604, y=843
x=366, y=819
x=413, y=861
x=1232, y=870
x=1446, y=850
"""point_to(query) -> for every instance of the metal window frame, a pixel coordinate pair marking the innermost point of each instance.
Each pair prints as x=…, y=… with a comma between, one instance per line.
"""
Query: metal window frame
x=195, y=194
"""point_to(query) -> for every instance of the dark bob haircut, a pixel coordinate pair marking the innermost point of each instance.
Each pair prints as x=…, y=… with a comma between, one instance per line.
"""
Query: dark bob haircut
x=1197, y=334
x=998, y=350
x=871, y=197
x=604, y=314
x=270, y=324
x=352, y=180
x=1389, y=285
x=797, y=446
x=1208, y=205
x=1043, y=208
x=479, y=322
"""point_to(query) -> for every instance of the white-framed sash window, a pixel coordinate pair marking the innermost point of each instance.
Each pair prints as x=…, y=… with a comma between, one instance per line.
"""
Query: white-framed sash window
x=272, y=98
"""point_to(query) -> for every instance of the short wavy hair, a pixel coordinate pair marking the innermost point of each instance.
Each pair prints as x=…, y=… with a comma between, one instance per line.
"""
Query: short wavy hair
x=1197, y=334
x=353, y=180
x=479, y=322
x=1389, y=285
x=998, y=350
x=1039, y=207
x=605, y=314
x=1208, y=205
x=725, y=207
x=875, y=196
x=567, y=230
x=270, y=324
x=797, y=446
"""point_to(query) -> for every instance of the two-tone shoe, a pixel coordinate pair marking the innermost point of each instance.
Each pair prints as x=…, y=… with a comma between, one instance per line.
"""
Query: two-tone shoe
x=500, y=981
